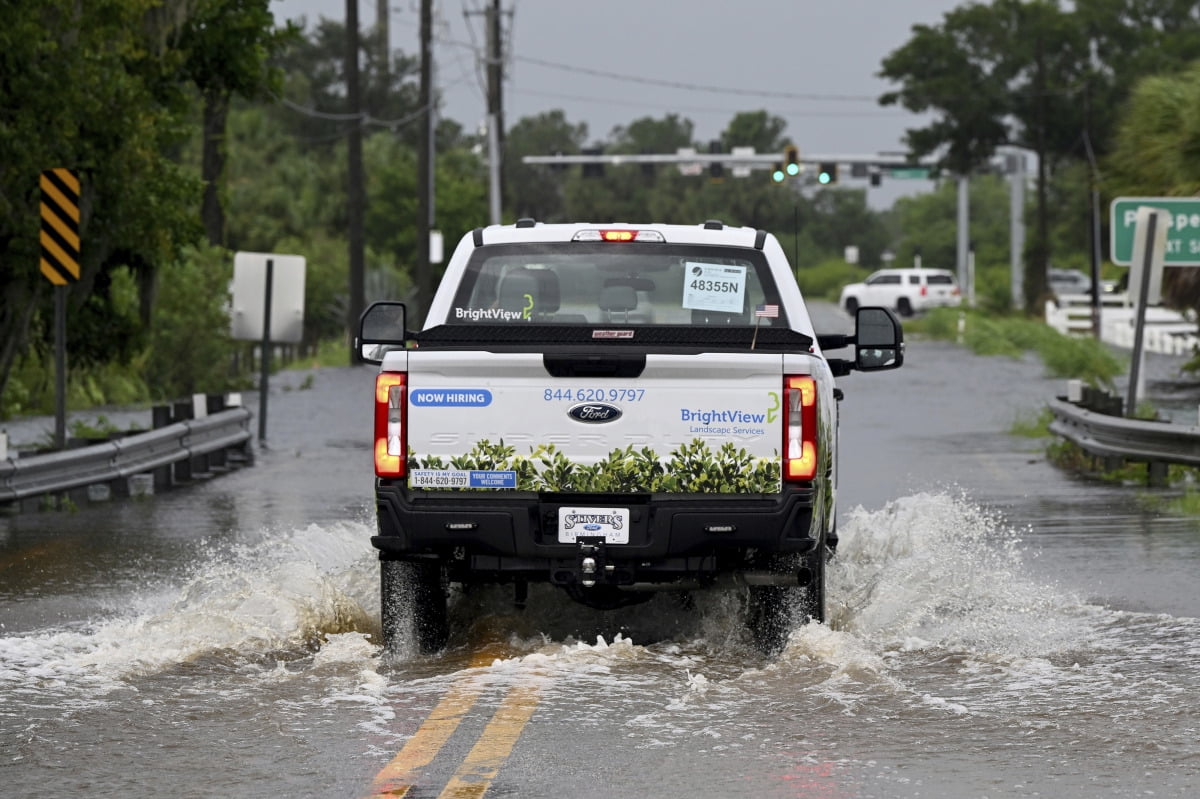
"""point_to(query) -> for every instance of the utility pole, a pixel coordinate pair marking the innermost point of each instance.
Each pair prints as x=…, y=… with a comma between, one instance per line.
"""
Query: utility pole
x=964, y=232
x=356, y=202
x=385, y=44
x=1016, y=227
x=495, y=111
x=424, y=164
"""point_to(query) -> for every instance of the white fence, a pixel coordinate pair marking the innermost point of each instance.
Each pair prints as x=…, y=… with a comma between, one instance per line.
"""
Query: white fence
x=1167, y=332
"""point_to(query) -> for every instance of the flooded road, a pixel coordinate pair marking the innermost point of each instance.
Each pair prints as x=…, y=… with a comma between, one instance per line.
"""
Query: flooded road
x=997, y=628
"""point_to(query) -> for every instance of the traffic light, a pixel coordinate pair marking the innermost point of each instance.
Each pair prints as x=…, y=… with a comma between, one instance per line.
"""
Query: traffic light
x=596, y=169
x=791, y=160
x=777, y=174
x=716, y=169
x=827, y=173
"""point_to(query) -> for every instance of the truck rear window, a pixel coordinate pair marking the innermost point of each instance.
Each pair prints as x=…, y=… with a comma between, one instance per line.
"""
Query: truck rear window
x=585, y=283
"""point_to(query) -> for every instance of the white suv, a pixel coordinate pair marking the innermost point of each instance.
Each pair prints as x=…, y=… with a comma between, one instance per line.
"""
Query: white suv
x=909, y=291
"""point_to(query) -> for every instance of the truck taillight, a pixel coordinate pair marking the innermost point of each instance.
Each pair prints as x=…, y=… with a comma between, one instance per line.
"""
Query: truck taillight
x=391, y=442
x=799, y=428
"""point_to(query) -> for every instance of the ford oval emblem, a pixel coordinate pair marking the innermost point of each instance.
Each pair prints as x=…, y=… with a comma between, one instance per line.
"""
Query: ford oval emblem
x=594, y=412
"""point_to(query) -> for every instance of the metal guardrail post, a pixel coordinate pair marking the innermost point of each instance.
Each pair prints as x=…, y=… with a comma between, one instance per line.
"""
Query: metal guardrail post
x=1117, y=439
x=160, y=417
x=124, y=461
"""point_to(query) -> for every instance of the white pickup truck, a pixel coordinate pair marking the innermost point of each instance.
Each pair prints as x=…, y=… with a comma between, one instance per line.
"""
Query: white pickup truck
x=614, y=409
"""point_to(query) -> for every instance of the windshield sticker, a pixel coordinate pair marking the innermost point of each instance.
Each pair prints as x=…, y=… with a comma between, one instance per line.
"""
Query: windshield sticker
x=714, y=287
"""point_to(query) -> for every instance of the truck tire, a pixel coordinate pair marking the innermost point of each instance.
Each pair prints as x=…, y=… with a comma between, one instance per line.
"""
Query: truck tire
x=851, y=305
x=772, y=611
x=904, y=307
x=413, y=606
x=812, y=596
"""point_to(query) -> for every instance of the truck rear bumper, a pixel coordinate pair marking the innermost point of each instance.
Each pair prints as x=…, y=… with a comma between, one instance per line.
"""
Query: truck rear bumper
x=516, y=534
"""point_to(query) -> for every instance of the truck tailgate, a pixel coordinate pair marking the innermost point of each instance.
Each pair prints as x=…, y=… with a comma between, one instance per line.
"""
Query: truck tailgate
x=458, y=400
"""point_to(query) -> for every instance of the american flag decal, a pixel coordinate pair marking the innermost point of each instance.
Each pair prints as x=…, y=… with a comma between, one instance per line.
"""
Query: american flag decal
x=769, y=311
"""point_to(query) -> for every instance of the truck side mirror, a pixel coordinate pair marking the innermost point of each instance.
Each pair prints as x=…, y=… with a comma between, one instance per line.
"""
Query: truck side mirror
x=381, y=328
x=878, y=339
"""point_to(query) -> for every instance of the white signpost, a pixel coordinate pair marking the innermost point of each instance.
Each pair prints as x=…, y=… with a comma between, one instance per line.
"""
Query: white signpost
x=268, y=306
x=250, y=298
x=1145, y=280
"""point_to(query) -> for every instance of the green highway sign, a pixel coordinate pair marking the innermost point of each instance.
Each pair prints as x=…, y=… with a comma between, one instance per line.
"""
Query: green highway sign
x=1183, y=229
x=909, y=173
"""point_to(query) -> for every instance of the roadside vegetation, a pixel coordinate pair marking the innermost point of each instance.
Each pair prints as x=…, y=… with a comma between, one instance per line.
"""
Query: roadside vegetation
x=205, y=128
x=1066, y=357
x=1070, y=357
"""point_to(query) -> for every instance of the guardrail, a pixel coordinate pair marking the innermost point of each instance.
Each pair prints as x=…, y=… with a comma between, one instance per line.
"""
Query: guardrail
x=1117, y=439
x=175, y=453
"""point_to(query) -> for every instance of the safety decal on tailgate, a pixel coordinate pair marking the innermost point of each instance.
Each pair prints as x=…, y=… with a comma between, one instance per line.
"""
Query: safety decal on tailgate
x=461, y=478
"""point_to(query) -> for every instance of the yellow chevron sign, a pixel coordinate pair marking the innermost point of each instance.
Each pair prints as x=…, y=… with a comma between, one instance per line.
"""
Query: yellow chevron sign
x=60, y=226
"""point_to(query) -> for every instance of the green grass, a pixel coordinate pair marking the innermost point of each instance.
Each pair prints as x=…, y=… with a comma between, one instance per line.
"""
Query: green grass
x=1032, y=424
x=331, y=352
x=1063, y=356
x=1187, y=504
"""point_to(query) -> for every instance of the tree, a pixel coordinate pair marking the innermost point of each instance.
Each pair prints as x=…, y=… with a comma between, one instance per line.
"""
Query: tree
x=461, y=192
x=316, y=109
x=997, y=74
x=650, y=135
x=1036, y=75
x=1156, y=152
x=757, y=129
x=227, y=47
x=91, y=87
x=536, y=190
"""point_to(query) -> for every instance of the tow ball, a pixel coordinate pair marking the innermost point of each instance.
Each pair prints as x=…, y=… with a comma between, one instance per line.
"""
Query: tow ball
x=592, y=560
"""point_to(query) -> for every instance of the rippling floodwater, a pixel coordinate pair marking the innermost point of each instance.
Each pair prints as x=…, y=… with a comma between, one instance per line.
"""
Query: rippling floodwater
x=996, y=629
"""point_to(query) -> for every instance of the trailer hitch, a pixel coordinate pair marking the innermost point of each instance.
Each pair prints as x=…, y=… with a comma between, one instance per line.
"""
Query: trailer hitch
x=592, y=560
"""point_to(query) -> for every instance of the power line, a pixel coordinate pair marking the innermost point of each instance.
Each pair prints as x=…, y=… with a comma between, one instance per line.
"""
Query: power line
x=364, y=118
x=695, y=87
x=705, y=109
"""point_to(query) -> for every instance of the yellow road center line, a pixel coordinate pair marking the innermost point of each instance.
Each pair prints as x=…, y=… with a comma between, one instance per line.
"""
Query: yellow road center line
x=397, y=777
x=476, y=773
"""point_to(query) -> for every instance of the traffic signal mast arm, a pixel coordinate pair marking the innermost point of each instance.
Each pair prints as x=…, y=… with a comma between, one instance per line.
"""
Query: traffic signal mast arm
x=881, y=161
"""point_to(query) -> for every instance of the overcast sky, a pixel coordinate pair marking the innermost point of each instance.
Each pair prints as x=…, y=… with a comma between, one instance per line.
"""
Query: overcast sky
x=609, y=62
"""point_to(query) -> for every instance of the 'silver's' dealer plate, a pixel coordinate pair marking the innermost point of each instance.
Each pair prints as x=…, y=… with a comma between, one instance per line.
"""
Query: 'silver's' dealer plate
x=612, y=523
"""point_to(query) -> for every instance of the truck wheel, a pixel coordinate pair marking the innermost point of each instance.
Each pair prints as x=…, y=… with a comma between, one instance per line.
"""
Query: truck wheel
x=769, y=616
x=904, y=307
x=851, y=305
x=812, y=596
x=772, y=611
x=413, y=606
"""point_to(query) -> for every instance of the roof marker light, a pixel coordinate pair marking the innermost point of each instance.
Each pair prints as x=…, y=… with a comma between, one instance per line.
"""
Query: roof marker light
x=614, y=234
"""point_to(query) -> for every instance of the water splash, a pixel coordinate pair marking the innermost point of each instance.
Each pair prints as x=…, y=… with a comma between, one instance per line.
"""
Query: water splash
x=277, y=596
x=936, y=571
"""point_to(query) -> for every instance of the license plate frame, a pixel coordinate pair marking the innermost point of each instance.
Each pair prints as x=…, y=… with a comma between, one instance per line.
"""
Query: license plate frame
x=576, y=522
